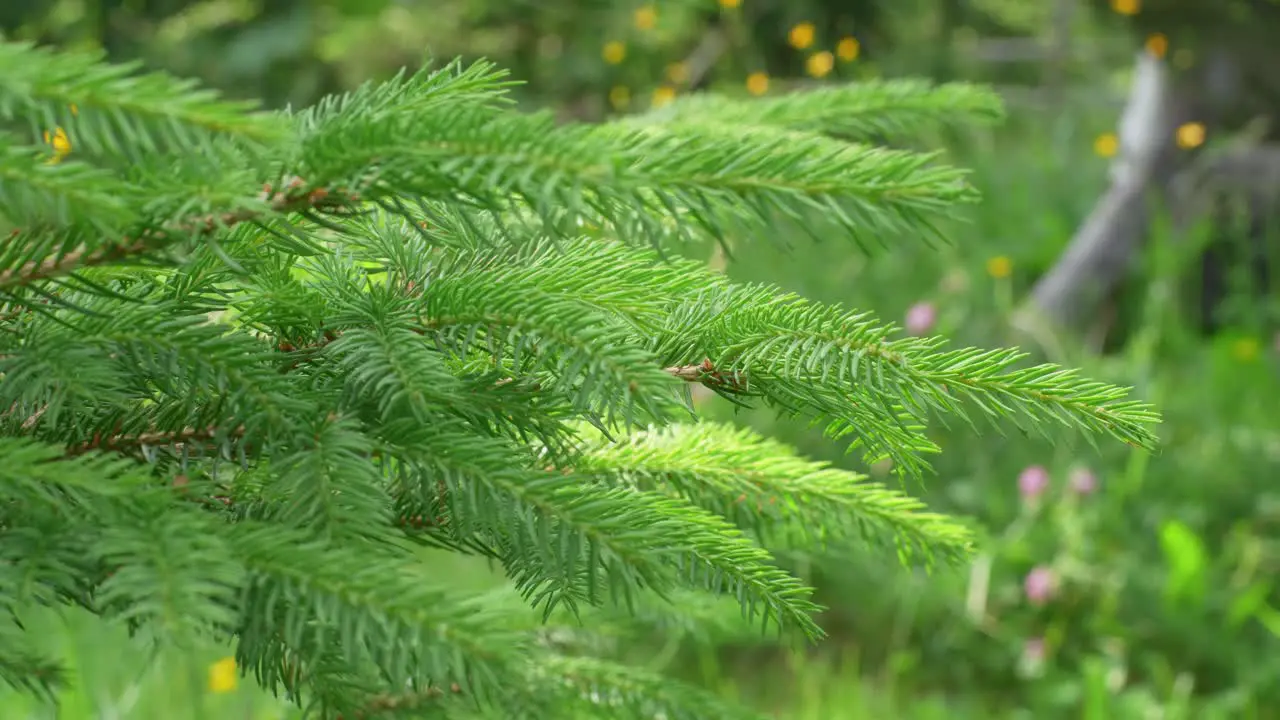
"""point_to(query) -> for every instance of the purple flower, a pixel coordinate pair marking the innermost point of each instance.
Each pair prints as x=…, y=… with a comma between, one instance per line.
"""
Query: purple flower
x=1082, y=481
x=1033, y=481
x=921, y=317
x=1040, y=585
x=1033, y=650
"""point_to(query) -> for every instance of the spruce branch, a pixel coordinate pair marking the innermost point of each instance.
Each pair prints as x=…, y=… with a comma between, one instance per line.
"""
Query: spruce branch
x=703, y=372
x=33, y=191
x=25, y=668
x=40, y=469
x=114, y=109
x=419, y=632
x=590, y=356
x=607, y=539
x=404, y=338
x=122, y=441
x=616, y=690
x=632, y=178
x=294, y=197
x=384, y=703
x=738, y=474
x=331, y=485
x=796, y=354
x=859, y=111
x=147, y=546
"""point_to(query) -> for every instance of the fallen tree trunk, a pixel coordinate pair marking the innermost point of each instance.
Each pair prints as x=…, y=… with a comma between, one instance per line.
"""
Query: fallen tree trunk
x=1100, y=253
x=1143, y=178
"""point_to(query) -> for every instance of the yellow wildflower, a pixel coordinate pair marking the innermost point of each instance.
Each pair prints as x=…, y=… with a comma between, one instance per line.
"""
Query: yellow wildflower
x=222, y=675
x=620, y=97
x=1157, y=45
x=848, y=48
x=645, y=18
x=614, y=52
x=1245, y=349
x=61, y=144
x=999, y=267
x=1106, y=145
x=819, y=64
x=663, y=96
x=801, y=36
x=1126, y=7
x=1190, y=135
x=730, y=4
x=757, y=83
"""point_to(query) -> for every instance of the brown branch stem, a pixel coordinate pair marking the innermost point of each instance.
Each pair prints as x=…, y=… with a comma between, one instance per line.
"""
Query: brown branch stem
x=125, y=441
x=293, y=198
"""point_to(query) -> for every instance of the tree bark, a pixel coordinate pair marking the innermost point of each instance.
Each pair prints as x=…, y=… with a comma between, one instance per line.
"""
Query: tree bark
x=1143, y=177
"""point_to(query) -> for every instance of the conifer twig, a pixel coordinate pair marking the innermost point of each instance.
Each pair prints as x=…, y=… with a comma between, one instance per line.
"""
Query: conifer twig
x=123, y=441
x=707, y=374
x=703, y=372
x=293, y=198
x=382, y=704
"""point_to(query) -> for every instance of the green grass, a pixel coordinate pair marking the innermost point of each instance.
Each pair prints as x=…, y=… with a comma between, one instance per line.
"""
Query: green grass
x=113, y=675
x=830, y=686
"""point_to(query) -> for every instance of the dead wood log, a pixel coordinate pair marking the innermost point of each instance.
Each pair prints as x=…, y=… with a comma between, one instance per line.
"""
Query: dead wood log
x=1144, y=175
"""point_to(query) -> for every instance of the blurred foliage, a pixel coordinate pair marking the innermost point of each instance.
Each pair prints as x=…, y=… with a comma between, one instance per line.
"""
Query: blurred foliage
x=1163, y=596
x=1164, y=573
x=578, y=54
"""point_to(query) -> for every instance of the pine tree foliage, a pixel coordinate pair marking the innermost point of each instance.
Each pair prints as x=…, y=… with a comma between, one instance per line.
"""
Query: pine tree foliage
x=856, y=112
x=251, y=361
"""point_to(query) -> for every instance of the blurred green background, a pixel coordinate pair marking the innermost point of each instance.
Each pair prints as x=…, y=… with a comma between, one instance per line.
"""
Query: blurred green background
x=1110, y=584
